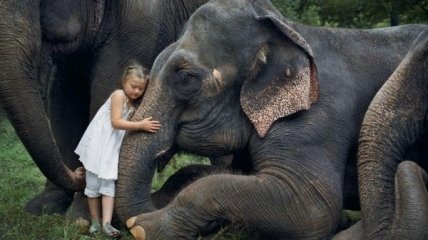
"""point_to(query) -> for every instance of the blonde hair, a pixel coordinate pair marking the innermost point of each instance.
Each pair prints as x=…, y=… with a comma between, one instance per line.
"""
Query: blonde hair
x=137, y=70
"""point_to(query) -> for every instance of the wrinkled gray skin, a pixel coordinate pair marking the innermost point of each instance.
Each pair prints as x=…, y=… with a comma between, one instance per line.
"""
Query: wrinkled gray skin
x=59, y=61
x=239, y=80
x=392, y=158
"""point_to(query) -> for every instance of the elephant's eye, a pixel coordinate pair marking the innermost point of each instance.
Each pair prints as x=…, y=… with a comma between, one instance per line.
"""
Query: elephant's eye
x=186, y=83
x=185, y=77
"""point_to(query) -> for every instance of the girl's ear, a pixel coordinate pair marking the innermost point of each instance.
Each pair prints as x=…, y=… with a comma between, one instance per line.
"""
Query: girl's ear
x=284, y=78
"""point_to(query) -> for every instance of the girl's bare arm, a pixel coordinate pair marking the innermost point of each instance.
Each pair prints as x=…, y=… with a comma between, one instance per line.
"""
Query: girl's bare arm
x=117, y=101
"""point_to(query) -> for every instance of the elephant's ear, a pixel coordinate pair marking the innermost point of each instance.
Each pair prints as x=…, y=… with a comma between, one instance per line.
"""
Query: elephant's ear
x=279, y=82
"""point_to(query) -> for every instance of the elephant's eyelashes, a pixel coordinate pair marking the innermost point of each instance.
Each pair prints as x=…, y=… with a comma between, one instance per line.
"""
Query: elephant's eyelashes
x=185, y=77
x=186, y=82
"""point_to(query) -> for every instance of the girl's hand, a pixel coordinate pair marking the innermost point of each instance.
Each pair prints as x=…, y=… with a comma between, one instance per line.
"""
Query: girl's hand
x=150, y=125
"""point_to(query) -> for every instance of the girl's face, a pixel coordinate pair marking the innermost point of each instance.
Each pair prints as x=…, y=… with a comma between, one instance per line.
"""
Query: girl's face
x=134, y=86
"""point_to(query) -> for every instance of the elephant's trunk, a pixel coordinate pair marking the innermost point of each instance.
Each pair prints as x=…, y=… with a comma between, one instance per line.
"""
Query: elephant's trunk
x=20, y=41
x=140, y=152
x=393, y=122
x=411, y=218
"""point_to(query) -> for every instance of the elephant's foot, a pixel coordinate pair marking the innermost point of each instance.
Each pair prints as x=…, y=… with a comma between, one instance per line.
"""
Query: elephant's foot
x=136, y=228
x=51, y=200
x=79, y=210
x=150, y=226
x=137, y=231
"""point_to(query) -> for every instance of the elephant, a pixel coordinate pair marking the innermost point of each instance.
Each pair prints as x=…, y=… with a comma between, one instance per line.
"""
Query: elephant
x=392, y=152
x=285, y=99
x=60, y=60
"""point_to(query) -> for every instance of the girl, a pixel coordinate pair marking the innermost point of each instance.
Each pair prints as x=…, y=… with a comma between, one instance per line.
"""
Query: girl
x=99, y=147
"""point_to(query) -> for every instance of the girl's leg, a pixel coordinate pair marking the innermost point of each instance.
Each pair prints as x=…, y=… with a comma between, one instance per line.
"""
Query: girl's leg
x=108, y=203
x=94, y=201
x=94, y=208
x=108, y=189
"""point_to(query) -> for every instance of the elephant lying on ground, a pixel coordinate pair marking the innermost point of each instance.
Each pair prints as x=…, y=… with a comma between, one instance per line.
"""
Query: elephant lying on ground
x=395, y=130
x=61, y=59
x=242, y=80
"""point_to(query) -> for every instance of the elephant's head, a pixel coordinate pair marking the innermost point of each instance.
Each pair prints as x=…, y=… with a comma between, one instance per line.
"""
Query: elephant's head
x=68, y=25
x=237, y=67
x=393, y=191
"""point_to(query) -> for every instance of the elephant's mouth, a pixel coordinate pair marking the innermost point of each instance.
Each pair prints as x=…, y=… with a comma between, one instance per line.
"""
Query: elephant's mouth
x=163, y=156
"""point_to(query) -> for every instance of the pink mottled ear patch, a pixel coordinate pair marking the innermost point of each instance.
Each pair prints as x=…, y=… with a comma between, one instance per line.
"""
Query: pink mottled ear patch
x=278, y=99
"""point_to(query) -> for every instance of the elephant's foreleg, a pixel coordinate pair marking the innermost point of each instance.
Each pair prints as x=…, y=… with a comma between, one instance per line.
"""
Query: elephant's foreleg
x=259, y=202
x=79, y=210
x=52, y=200
x=411, y=218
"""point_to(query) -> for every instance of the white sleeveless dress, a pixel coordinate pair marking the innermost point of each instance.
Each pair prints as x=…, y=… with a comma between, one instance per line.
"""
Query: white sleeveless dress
x=99, y=147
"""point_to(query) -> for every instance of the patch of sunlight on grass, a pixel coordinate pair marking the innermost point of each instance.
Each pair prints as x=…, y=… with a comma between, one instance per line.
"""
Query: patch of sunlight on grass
x=178, y=161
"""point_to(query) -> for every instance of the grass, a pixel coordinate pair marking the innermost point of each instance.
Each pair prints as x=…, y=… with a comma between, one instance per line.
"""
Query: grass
x=20, y=181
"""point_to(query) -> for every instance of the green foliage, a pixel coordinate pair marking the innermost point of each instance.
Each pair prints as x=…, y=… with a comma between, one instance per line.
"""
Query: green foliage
x=299, y=11
x=354, y=14
x=178, y=161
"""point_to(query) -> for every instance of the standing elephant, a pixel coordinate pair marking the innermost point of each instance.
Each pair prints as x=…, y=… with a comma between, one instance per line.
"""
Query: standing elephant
x=395, y=130
x=59, y=61
x=242, y=80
